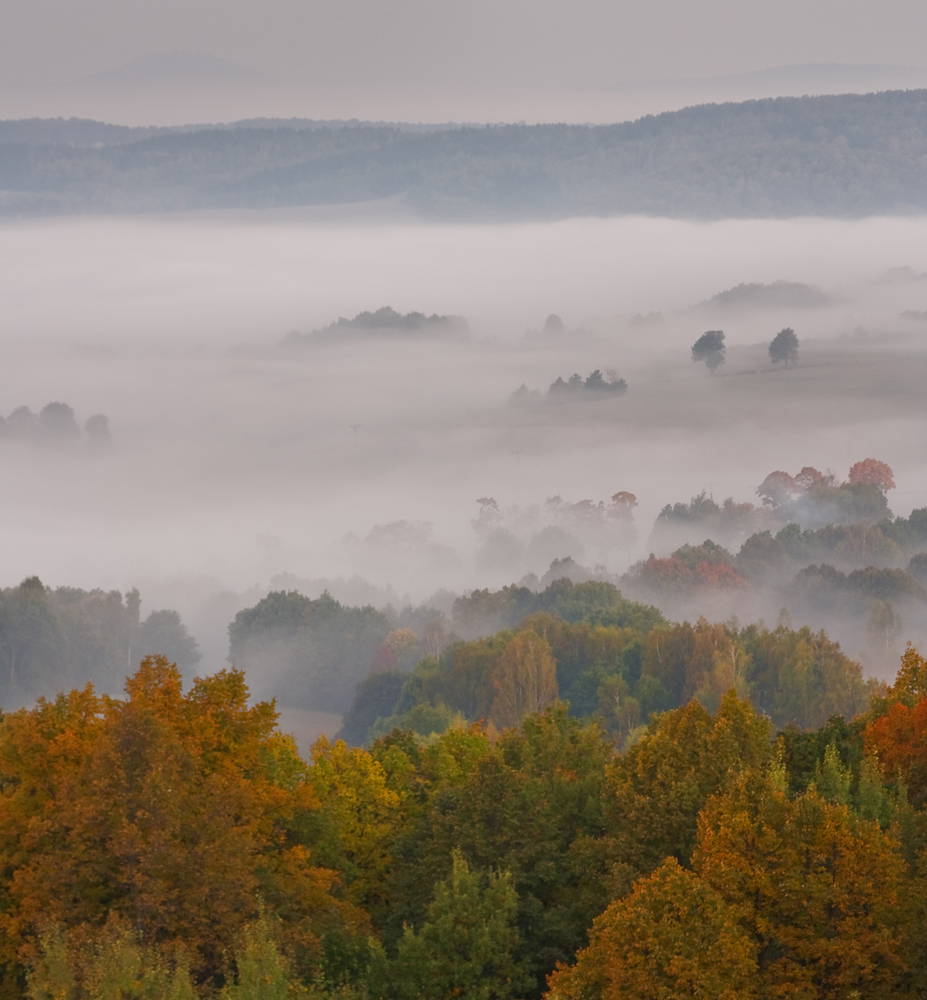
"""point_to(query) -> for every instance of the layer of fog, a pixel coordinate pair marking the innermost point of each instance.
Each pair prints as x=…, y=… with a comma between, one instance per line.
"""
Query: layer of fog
x=234, y=461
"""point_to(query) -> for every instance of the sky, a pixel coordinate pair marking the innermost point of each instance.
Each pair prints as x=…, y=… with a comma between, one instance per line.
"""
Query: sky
x=483, y=60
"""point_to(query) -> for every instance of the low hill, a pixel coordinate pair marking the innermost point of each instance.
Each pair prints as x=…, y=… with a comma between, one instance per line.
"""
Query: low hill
x=849, y=155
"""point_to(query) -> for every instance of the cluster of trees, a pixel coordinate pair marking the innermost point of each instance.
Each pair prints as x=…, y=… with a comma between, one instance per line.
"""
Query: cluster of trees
x=384, y=323
x=50, y=639
x=309, y=653
x=140, y=838
x=529, y=539
x=814, y=497
x=594, y=386
x=856, y=568
x=829, y=155
x=775, y=295
x=703, y=517
x=575, y=389
x=608, y=659
x=55, y=424
x=173, y=844
x=810, y=500
x=711, y=348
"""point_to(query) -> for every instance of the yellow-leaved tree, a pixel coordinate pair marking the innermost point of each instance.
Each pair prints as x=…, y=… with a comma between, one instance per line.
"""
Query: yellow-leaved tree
x=177, y=812
x=525, y=679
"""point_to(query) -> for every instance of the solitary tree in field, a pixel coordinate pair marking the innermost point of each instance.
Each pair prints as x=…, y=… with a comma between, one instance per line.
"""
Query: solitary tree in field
x=784, y=347
x=710, y=349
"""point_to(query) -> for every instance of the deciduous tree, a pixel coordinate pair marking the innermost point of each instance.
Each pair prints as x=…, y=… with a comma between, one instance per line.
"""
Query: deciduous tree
x=784, y=347
x=711, y=349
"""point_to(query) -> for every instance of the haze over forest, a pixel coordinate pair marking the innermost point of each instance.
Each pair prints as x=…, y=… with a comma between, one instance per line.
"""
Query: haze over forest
x=464, y=488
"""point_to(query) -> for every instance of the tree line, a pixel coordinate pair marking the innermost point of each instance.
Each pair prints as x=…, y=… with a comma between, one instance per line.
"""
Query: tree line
x=55, y=424
x=172, y=843
x=829, y=155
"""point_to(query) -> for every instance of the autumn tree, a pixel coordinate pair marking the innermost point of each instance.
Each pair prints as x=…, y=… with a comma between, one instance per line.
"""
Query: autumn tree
x=784, y=347
x=528, y=803
x=358, y=821
x=525, y=679
x=871, y=470
x=91, y=963
x=655, y=790
x=821, y=892
x=897, y=736
x=178, y=812
x=673, y=936
x=785, y=898
x=710, y=348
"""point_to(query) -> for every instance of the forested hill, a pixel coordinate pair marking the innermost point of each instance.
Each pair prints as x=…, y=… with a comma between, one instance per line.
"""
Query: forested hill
x=847, y=155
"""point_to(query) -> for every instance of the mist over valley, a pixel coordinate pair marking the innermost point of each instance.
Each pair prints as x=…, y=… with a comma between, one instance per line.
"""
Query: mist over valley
x=464, y=514
x=258, y=442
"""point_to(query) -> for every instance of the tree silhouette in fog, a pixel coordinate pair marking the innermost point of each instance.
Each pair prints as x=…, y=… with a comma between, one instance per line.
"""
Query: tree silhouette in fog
x=710, y=349
x=784, y=347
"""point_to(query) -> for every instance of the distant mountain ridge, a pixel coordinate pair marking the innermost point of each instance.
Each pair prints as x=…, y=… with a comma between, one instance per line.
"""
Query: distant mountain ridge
x=87, y=132
x=848, y=155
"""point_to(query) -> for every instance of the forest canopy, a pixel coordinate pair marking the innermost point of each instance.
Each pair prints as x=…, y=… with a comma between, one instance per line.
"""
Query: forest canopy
x=172, y=843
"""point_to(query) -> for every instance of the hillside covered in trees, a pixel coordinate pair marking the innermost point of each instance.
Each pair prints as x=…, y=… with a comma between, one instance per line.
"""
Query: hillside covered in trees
x=848, y=155
x=172, y=843
x=555, y=789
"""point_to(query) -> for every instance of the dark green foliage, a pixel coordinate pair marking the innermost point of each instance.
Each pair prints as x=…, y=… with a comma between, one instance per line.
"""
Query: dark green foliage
x=529, y=806
x=163, y=633
x=622, y=674
x=910, y=533
x=484, y=612
x=763, y=558
x=31, y=645
x=784, y=347
x=51, y=640
x=801, y=677
x=824, y=587
x=850, y=545
x=375, y=696
x=803, y=751
x=467, y=944
x=710, y=348
x=314, y=652
x=852, y=502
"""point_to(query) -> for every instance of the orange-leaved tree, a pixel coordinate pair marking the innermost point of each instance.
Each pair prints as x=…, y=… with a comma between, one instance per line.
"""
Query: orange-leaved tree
x=871, y=470
x=673, y=936
x=178, y=812
x=797, y=898
x=897, y=737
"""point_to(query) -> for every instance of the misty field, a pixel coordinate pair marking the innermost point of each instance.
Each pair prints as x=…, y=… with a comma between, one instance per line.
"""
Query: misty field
x=234, y=459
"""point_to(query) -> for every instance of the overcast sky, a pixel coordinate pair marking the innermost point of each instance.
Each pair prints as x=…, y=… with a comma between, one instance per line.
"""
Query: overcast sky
x=429, y=54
